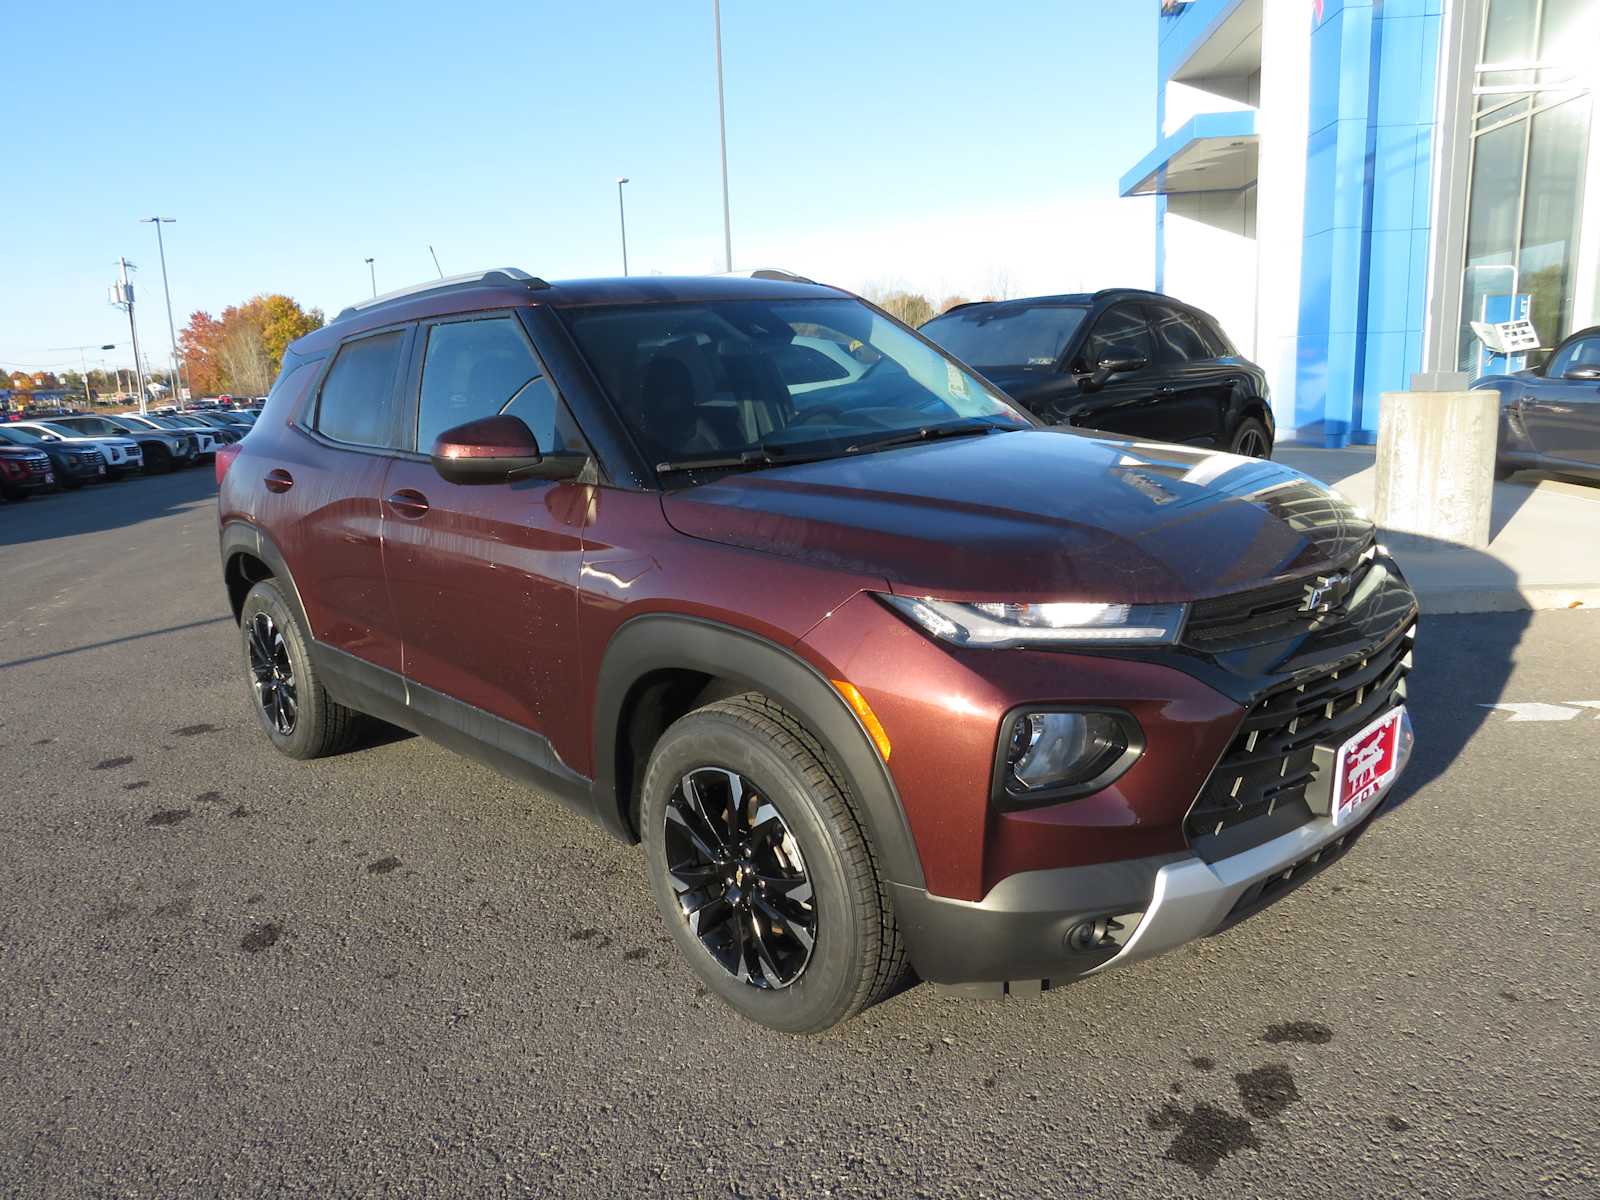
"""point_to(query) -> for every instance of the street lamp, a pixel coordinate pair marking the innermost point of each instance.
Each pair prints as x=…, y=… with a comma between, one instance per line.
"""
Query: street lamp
x=172, y=328
x=622, y=220
x=722, y=133
x=373, y=273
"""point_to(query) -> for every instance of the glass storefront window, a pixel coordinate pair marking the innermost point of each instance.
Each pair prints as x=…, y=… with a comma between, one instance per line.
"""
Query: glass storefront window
x=1552, y=213
x=1508, y=31
x=1531, y=135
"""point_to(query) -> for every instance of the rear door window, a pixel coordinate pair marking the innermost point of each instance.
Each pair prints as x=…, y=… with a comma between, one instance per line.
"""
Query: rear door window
x=1120, y=332
x=1177, y=339
x=357, y=403
x=485, y=368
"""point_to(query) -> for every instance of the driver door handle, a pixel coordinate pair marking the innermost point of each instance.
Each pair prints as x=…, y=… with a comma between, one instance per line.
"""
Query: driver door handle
x=409, y=504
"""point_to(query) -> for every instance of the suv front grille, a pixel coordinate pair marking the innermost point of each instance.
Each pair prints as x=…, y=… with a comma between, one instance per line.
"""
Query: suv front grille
x=1284, y=748
x=1268, y=614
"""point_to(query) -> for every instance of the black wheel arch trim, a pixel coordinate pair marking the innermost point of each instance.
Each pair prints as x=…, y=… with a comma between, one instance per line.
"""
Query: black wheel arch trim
x=241, y=537
x=657, y=642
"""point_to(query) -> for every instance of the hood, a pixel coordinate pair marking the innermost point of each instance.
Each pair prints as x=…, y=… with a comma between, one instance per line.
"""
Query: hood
x=1036, y=514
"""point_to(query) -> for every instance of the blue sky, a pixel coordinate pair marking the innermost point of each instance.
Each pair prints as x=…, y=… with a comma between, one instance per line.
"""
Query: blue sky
x=945, y=146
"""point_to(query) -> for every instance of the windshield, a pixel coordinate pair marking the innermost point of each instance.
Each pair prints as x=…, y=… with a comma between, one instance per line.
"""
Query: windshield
x=65, y=431
x=12, y=433
x=775, y=380
x=989, y=335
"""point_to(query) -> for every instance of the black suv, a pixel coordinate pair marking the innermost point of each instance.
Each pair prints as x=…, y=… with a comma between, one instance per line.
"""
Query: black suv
x=1125, y=361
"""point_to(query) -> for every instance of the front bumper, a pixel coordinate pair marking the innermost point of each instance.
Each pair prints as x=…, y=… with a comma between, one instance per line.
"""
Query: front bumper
x=1021, y=936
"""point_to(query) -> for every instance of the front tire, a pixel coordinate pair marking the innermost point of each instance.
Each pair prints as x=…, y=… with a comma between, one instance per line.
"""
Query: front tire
x=1251, y=439
x=298, y=715
x=763, y=872
x=158, y=460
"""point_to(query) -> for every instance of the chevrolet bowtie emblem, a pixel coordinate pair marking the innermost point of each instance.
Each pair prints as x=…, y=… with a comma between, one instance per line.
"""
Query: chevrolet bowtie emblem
x=1325, y=593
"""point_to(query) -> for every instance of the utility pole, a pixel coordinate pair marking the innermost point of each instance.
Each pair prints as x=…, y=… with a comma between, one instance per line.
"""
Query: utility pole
x=622, y=219
x=722, y=133
x=172, y=328
x=122, y=297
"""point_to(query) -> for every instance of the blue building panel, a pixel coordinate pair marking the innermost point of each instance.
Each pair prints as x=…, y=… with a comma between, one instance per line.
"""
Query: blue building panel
x=1368, y=200
x=1369, y=160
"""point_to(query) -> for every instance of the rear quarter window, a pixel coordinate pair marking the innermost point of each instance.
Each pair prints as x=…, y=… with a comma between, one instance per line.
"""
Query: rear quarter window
x=358, y=399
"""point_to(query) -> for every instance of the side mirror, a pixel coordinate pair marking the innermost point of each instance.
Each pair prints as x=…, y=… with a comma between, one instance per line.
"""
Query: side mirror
x=1119, y=360
x=1583, y=374
x=498, y=450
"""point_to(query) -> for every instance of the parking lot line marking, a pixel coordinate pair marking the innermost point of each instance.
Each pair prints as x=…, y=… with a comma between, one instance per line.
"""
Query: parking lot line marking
x=1545, y=712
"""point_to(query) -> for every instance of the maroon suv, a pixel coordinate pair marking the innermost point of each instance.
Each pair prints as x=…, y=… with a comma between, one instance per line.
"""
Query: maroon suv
x=880, y=671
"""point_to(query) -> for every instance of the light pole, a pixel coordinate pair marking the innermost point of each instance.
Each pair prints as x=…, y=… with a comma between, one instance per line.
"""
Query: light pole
x=622, y=220
x=372, y=272
x=722, y=133
x=172, y=329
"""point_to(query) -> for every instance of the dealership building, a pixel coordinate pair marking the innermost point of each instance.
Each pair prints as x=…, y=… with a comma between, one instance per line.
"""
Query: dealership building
x=1349, y=185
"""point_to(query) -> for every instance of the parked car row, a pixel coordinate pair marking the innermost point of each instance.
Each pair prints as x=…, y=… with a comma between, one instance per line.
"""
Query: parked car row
x=72, y=449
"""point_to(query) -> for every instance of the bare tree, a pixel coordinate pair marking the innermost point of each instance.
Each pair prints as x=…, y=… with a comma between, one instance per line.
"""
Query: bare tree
x=246, y=365
x=911, y=307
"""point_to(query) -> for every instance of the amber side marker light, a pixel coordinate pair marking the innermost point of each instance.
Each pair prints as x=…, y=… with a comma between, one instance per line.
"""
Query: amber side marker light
x=857, y=701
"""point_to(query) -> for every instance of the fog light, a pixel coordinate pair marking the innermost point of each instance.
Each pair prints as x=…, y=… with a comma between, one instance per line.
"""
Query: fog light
x=1061, y=749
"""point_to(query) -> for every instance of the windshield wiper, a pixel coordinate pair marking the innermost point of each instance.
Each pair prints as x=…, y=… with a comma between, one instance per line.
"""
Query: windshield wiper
x=748, y=460
x=770, y=455
x=926, y=433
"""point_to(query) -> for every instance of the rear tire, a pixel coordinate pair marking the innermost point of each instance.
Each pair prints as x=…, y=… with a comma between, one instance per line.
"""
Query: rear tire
x=158, y=460
x=761, y=958
x=1251, y=439
x=298, y=715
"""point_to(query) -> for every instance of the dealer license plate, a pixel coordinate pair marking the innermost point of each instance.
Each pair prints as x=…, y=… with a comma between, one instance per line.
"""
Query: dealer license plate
x=1366, y=764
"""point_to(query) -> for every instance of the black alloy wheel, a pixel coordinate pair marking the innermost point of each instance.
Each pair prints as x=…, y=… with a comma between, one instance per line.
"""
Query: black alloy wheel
x=272, y=674
x=1250, y=439
x=739, y=877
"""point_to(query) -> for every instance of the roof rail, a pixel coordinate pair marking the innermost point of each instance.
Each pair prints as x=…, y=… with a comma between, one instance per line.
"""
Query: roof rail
x=1128, y=291
x=498, y=277
x=777, y=273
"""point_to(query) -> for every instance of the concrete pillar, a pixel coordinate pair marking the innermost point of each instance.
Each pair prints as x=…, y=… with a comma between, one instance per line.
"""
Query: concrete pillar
x=1436, y=455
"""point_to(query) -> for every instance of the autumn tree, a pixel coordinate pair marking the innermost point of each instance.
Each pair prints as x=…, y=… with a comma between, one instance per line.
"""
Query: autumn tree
x=242, y=350
x=950, y=302
x=197, y=345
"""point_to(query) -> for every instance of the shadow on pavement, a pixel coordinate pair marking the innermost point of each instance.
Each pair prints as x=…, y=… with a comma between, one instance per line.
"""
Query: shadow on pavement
x=1462, y=662
x=116, y=641
x=104, y=506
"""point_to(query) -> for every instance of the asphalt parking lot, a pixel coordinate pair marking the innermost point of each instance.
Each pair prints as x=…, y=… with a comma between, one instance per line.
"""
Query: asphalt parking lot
x=395, y=973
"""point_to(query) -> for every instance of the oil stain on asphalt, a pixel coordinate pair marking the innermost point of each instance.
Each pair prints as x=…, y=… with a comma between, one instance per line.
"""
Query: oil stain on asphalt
x=1313, y=1033
x=1208, y=1133
x=193, y=730
x=384, y=865
x=169, y=816
x=261, y=937
x=106, y=764
x=136, y=785
x=1267, y=1091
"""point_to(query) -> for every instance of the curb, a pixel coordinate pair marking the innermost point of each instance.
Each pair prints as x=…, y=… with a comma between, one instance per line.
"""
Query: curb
x=1454, y=600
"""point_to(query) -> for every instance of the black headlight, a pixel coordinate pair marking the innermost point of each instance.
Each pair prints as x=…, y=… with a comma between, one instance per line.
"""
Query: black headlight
x=1047, y=755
